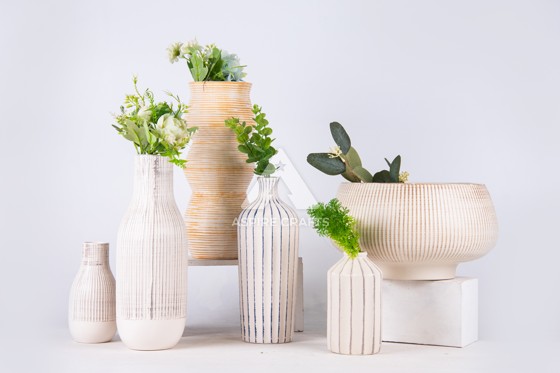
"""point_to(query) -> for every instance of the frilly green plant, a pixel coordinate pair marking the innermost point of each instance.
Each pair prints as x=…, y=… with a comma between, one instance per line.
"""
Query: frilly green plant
x=333, y=220
x=154, y=127
x=255, y=141
x=344, y=160
x=208, y=63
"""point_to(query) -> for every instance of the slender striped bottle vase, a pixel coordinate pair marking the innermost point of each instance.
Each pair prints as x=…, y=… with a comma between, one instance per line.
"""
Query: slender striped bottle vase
x=268, y=236
x=91, y=313
x=152, y=261
x=354, y=307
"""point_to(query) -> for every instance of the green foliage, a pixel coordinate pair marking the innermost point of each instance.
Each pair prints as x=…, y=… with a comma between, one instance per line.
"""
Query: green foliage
x=255, y=141
x=344, y=160
x=341, y=137
x=333, y=220
x=154, y=127
x=208, y=63
x=326, y=163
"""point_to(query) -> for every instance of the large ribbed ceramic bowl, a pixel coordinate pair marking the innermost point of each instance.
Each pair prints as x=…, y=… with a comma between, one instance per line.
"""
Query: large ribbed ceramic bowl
x=421, y=231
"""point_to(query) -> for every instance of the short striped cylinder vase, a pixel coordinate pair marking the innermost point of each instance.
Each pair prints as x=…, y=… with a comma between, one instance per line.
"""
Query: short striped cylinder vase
x=268, y=237
x=354, y=307
x=91, y=313
x=151, y=261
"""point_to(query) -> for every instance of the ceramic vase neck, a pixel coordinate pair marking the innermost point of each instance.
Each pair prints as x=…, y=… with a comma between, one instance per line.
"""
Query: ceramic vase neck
x=95, y=253
x=268, y=188
x=361, y=255
x=153, y=178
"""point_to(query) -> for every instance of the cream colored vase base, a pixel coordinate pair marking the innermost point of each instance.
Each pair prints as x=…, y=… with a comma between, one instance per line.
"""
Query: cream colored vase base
x=151, y=335
x=404, y=271
x=92, y=332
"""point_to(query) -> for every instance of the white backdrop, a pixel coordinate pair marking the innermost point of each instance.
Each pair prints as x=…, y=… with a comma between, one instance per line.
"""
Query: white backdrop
x=463, y=90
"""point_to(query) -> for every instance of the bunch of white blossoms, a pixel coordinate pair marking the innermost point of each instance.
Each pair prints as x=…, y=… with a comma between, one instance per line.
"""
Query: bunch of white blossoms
x=202, y=61
x=173, y=130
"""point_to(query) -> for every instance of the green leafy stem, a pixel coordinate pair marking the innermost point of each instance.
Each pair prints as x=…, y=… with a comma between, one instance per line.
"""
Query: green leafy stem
x=255, y=141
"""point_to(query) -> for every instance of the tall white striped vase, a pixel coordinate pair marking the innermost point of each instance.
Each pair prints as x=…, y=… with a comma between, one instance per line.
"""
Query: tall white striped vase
x=151, y=261
x=354, y=307
x=91, y=313
x=268, y=236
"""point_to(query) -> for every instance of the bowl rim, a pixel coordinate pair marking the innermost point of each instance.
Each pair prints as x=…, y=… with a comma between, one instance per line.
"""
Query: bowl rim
x=415, y=184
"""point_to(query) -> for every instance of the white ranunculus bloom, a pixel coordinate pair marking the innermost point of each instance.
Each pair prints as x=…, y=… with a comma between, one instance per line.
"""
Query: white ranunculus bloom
x=173, y=130
x=144, y=113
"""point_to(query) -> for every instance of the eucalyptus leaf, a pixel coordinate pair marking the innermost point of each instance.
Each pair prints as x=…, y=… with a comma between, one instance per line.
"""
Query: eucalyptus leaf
x=351, y=176
x=381, y=177
x=325, y=163
x=363, y=174
x=340, y=136
x=352, y=158
x=394, y=169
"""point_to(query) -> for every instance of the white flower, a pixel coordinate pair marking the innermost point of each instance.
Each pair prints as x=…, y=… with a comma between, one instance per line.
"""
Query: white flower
x=144, y=113
x=190, y=48
x=335, y=152
x=403, y=177
x=174, y=52
x=173, y=130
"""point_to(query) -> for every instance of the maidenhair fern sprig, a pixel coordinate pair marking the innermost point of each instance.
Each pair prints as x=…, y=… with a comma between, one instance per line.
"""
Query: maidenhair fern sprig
x=333, y=220
x=255, y=141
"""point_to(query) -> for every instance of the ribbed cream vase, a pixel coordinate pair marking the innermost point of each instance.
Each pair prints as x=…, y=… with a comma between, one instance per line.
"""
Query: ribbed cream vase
x=217, y=171
x=354, y=307
x=91, y=313
x=151, y=261
x=268, y=234
x=421, y=231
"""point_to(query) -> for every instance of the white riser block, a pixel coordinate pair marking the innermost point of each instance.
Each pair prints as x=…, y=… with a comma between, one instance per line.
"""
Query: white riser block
x=443, y=313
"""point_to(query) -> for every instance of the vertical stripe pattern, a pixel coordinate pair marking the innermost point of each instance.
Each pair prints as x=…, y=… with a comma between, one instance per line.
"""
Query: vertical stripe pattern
x=151, y=247
x=216, y=171
x=91, y=313
x=354, y=307
x=268, y=241
x=92, y=297
x=421, y=231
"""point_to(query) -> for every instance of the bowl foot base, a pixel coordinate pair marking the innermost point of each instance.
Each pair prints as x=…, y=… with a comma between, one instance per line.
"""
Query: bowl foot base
x=393, y=271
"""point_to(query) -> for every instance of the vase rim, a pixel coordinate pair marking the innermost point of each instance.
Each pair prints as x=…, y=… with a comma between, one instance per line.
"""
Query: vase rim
x=100, y=243
x=215, y=82
x=149, y=155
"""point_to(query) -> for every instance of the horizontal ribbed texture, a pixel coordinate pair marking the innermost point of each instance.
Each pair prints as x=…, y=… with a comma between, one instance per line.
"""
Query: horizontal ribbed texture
x=216, y=171
x=354, y=307
x=421, y=231
x=92, y=297
x=151, y=248
x=268, y=233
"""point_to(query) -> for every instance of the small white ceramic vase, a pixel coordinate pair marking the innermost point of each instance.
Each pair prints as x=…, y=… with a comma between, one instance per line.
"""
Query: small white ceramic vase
x=91, y=313
x=354, y=307
x=268, y=233
x=151, y=261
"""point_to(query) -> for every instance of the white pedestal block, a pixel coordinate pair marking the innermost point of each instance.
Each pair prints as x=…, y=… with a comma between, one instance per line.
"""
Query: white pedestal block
x=443, y=313
x=298, y=324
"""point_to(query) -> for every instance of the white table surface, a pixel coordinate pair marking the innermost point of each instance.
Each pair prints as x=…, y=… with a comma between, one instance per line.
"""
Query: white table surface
x=219, y=349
